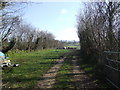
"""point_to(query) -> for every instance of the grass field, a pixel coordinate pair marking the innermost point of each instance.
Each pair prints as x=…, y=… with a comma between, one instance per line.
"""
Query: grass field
x=32, y=66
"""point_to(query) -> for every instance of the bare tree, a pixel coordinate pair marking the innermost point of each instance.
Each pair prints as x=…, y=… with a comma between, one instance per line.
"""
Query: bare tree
x=10, y=19
x=16, y=34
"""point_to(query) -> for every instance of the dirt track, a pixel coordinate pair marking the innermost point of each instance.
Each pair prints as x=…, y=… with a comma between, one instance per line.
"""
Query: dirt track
x=82, y=81
x=48, y=79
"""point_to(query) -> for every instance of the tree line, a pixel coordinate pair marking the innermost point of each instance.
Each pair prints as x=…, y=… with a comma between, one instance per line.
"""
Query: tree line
x=99, y=29
x=16, y=34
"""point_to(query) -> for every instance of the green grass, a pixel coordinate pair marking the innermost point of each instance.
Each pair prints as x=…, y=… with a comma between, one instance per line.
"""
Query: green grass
x=32, y=66
x=64, y=78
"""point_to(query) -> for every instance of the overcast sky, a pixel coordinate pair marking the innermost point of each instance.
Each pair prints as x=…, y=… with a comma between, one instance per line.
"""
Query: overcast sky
x=59, y=18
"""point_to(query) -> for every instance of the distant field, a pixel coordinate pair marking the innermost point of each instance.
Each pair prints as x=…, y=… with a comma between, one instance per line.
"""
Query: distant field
x=32, y=66
x=78, y=47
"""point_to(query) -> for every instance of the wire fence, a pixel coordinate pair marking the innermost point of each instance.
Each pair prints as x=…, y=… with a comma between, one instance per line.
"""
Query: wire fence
x=112, y=67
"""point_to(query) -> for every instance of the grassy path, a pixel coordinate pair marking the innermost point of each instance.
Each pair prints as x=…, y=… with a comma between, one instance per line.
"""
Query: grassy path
x=76, y=75
x=72, y=76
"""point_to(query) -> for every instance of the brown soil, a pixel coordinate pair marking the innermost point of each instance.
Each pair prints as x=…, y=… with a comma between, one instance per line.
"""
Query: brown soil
x=81, y=79
x=48, y=79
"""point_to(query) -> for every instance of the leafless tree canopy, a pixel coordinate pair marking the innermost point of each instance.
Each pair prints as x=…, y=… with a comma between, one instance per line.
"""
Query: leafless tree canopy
x=16, y=34
x=99, y=29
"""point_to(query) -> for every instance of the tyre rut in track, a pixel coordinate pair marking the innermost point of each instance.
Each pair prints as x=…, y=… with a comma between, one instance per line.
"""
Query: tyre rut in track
x=81, y=79
x=48, y=79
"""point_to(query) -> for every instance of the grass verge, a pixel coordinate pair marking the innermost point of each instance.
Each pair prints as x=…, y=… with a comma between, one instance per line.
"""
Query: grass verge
x=64, y=78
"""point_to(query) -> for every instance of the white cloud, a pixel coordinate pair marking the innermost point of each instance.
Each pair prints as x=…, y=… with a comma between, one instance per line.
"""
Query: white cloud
x=61, y=17
x=67, y=34
x=63, y=11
